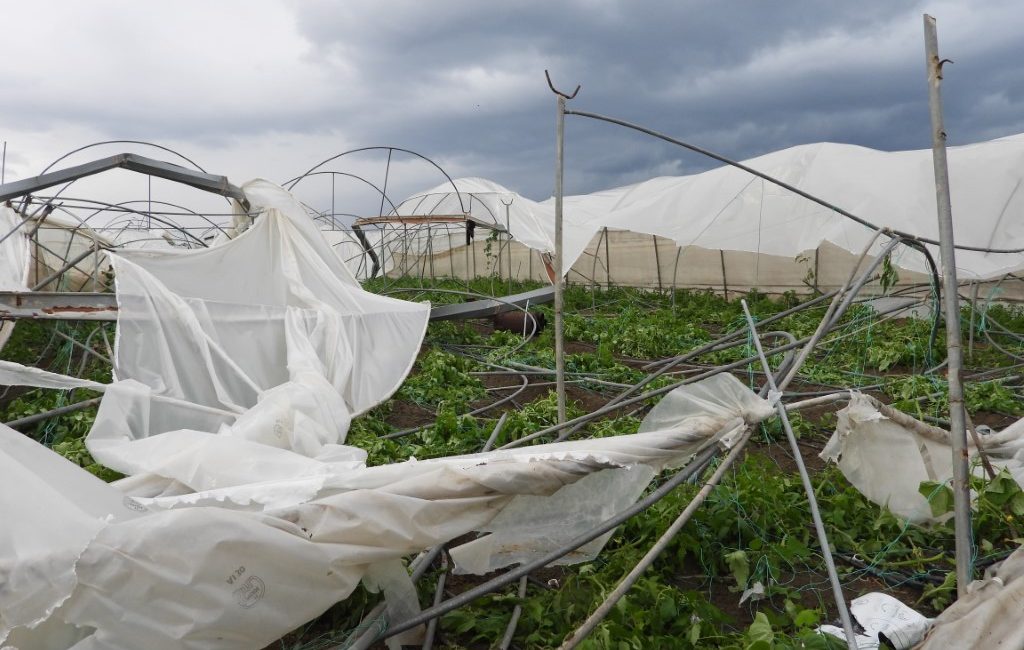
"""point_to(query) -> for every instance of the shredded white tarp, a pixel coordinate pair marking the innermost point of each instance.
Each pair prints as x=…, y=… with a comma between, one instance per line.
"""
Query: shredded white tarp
x=14, y=252
x=884, y=620
x=59, y=239
x=988, y=615
x=14, y=267
x=729, y=209
x=211, y=570
x=888, y=462
x=238, y=369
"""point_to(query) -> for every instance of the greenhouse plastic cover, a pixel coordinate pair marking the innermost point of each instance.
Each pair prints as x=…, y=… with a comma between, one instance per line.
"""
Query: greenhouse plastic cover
x=887, y=462
x=730, y=209
x=244, y=514
x=14, y=267
x=87, y=566
x=988, y=615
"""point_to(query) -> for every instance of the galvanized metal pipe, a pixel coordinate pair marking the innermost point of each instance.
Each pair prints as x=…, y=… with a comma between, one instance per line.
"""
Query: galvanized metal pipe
x=958, y=426
x=39, y=417
x=609, y=524
x=517, y=611
x=812, y=501
x=428, y=642
x=559, y=273
x=59, y=272
x=666, y=538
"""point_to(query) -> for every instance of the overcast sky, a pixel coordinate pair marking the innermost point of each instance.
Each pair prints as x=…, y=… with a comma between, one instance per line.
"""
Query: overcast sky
x=264, y=88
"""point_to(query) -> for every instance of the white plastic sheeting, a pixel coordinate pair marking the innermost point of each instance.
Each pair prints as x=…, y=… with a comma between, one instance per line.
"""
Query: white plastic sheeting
x=887, y=462
x=988, y=615
x=265, y=343
x=60, y=239
x=238, y=369
x=729, y=209
x=14, y=252
x=87, y=567
x=884, y=620
x=14, y=268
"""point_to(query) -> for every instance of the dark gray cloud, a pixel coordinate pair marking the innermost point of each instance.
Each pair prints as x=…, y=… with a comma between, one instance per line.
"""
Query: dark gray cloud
x=463, y=82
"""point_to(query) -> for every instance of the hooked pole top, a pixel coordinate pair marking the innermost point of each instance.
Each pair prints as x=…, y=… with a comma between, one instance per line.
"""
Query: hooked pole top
x=559, y=92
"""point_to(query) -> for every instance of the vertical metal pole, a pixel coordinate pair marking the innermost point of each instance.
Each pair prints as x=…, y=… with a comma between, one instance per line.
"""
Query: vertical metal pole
x=954, y=352
x=725, y=282
x=451, y=252
x=657, y=260
x=974, y=307
x=3, y=165
x=508, y=243
x=387, y=175
x=430, y=252
x=559, y=273
x=607, y=259
x=675, y=272
x=816, y=268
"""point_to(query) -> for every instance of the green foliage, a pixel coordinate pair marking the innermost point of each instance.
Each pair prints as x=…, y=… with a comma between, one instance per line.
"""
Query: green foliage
x=538, y=414
x=753, y=528
x=635, y=332
x=74, y=450
x=442, y=379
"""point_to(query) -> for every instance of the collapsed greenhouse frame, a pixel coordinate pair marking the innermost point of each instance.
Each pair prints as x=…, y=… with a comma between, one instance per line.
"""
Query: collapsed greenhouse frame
x=842, y=296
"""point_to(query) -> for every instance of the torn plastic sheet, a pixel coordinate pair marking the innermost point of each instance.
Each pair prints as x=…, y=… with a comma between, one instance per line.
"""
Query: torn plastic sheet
x=988, y=615
x=884, y=619
x=197, y=576
x=244, y=514
x=888, y=462
x=201, y=574
x=711, y=398
x=14, y=267
x=532, y=525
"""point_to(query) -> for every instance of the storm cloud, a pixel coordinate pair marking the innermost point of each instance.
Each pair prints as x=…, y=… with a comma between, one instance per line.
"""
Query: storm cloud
x=269, y=89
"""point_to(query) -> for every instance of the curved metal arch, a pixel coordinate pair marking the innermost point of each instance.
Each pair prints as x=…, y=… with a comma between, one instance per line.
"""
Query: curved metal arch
x=294, y=181
x=171, y=225
x=135, y=241
x=142, y=142
x=83, y=222
x=322, y=217
x=122, y=224
x=390, y=150
x=211, y=222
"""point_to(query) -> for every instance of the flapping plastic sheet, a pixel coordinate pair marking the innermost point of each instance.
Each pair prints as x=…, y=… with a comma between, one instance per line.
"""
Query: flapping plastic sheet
x=988, y=615
x=244, y=514
x=195, y=572
x=14, y=266
x=888, y=462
